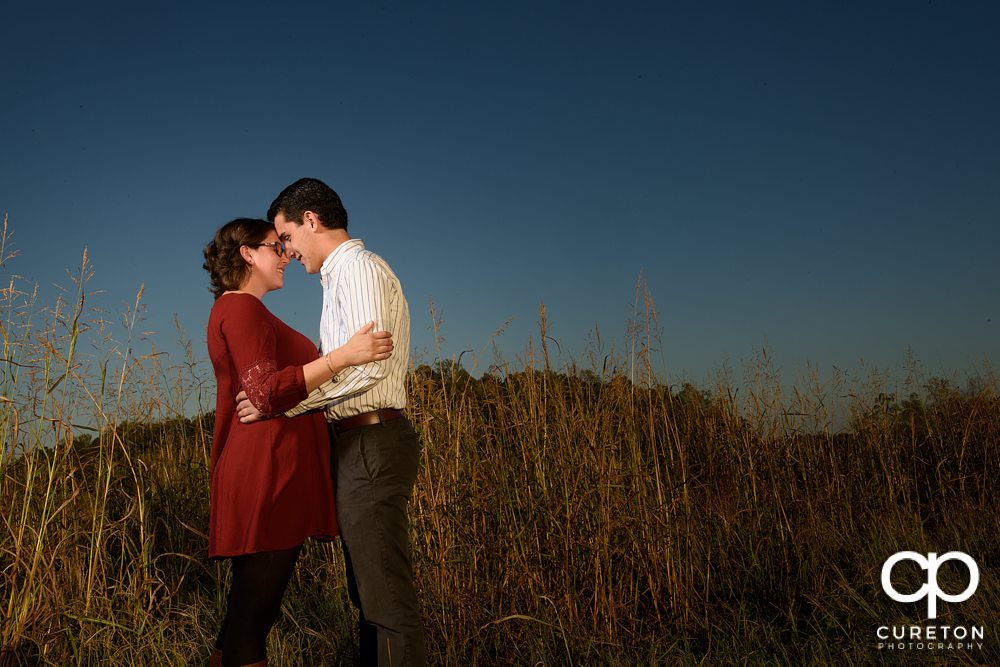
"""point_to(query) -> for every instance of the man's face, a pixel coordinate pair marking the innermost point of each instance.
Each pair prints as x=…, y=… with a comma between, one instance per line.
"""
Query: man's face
x=298, y=242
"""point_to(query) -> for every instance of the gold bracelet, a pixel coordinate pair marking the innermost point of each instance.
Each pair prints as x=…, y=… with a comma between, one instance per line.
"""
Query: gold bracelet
x=327, y=357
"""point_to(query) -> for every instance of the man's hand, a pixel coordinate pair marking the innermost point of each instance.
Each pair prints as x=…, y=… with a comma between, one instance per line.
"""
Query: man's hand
x=246, y=411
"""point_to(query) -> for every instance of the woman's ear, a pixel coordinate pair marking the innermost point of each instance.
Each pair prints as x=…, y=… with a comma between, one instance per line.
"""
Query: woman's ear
x=246, y=254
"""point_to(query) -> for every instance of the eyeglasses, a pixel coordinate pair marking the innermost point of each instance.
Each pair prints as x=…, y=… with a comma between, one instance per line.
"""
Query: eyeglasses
x=279, y=247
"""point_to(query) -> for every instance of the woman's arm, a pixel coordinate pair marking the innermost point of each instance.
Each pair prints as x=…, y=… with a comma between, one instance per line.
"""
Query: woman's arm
x=251, y=343
x=363, y=347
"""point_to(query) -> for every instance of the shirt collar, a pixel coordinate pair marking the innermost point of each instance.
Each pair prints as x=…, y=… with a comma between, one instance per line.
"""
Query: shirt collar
x=347, y=247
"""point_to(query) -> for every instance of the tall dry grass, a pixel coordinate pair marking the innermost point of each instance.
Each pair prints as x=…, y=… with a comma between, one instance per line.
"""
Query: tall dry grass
x=101, y=532
x=581, y=514
x=596, y=515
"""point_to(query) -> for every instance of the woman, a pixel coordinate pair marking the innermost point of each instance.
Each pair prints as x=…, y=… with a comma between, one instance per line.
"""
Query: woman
x=271, y=483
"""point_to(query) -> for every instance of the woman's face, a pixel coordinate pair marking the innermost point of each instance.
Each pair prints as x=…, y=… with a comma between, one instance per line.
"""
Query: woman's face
x=268, y=265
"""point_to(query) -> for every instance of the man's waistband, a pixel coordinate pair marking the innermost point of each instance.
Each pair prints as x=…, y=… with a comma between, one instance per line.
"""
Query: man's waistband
x=365, y=419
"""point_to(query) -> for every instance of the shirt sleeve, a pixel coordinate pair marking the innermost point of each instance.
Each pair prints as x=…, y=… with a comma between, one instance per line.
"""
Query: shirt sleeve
x=362, y=297
x=251, y=338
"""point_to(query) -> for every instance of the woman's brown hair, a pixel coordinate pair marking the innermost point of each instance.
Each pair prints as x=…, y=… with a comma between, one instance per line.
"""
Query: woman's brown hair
x=225, y=265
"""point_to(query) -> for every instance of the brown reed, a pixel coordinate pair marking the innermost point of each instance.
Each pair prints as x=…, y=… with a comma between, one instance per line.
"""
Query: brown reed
x=583, y=514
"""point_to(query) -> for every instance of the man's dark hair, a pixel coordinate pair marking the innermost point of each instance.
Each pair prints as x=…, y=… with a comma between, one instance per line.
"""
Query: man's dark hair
x=309, y=194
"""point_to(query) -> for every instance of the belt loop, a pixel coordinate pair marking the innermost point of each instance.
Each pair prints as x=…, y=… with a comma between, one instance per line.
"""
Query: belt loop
x=381, y=419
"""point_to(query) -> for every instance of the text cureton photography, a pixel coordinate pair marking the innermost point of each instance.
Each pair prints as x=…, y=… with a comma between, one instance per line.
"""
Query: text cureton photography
x=930, y=637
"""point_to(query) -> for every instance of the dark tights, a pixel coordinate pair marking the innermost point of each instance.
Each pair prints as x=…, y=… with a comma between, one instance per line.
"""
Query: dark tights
x=259, y=581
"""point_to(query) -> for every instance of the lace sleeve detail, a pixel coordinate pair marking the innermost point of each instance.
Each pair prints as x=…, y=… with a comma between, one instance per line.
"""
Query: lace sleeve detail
x=256, y=379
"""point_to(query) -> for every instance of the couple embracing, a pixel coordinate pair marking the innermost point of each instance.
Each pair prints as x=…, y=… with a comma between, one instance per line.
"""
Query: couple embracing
x=310, y=444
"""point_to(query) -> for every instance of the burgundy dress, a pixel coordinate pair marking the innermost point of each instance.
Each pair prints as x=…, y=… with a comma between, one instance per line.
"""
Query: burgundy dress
x=271, y=484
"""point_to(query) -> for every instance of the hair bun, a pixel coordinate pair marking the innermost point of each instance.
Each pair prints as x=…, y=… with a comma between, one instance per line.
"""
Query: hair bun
x=226, y=267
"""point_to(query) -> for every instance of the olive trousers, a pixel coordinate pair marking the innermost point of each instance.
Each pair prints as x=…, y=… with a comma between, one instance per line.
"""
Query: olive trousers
x=374, y=469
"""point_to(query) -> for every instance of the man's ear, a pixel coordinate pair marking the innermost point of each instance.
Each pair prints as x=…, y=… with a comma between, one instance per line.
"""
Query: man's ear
x=311, y=219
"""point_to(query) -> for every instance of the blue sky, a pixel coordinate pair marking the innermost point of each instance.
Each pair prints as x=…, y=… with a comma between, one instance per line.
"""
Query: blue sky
x=824, y=177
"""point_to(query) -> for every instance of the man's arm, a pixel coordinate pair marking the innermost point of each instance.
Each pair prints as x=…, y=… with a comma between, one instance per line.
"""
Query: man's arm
x=363, y=346
x=363, y=296
x=247, y=411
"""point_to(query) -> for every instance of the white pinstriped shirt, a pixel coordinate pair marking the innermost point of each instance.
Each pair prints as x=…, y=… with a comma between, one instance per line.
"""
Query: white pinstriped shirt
x=358, y=287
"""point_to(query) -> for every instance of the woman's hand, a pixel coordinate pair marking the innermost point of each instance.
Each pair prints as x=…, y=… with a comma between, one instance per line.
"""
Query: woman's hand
x=366, y=346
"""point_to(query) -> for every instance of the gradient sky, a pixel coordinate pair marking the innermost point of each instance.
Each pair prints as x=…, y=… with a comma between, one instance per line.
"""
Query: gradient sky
x=822, y=177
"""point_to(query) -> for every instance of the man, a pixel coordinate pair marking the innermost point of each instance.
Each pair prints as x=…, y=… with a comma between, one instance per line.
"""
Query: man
x=376, y=452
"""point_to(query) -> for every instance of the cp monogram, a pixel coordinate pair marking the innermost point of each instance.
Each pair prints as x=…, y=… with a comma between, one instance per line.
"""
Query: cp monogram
x=930, y=590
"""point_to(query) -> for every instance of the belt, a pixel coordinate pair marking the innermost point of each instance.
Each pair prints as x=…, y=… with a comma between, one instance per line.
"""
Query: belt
x=365, y=419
